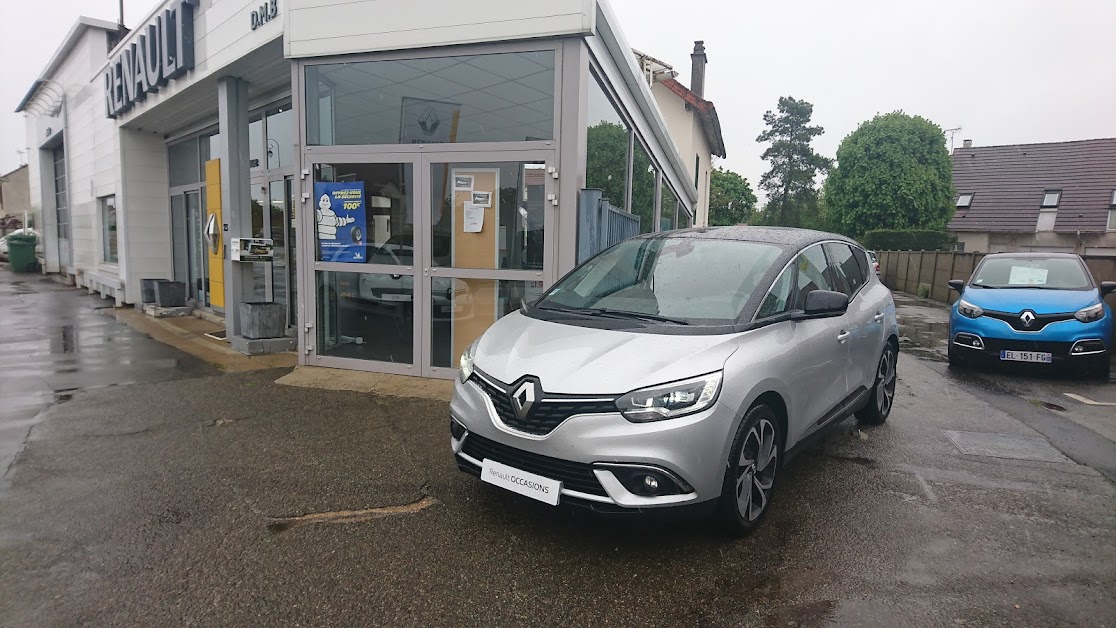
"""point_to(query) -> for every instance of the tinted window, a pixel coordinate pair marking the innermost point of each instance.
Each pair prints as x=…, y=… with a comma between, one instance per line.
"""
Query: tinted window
x=1050, y=273
x=504, y=97
x=668, y=277
x=811, y=274
x=847, y=273
x=778, y=298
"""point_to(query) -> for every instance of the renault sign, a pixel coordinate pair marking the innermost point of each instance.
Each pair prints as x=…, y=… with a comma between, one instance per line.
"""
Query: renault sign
x=163, y=50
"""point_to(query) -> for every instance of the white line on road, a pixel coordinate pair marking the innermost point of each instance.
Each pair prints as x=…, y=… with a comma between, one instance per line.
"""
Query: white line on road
x=1087, y=401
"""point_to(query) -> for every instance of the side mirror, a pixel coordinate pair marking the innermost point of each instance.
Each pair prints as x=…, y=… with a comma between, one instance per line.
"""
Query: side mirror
x=957, y=284
x=1107, y=288
x=823, y=303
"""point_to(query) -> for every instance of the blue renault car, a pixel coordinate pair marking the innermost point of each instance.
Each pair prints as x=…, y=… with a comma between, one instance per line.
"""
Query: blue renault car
x=1041, y=308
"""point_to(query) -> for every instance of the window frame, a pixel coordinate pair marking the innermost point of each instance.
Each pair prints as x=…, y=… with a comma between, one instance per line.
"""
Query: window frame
x=835, y=267
x=967, y=197
x=102, y=207
x=1057, y=198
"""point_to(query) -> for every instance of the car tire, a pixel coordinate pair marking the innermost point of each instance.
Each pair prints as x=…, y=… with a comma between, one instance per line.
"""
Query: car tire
x=882, y=397
x=752, y=465
x=955, y=358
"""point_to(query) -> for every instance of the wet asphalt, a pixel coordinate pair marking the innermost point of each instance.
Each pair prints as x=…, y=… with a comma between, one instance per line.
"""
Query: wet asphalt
x=178, y=502
x=54, y=342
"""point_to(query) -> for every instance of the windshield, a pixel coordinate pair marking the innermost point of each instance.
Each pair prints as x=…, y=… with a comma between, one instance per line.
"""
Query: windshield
x=1049, y=273
x=686, y=280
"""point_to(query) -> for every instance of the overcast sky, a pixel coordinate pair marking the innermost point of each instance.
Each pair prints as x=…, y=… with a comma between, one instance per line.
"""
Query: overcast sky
x=1028, y=71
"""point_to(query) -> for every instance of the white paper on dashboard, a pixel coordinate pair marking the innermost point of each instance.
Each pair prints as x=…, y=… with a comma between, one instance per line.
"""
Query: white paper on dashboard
x=1027, y=276
x=474, y=218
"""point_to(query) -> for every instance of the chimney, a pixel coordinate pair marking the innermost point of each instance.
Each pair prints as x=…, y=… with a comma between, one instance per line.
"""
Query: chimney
x=697, y=71
x=967, y=144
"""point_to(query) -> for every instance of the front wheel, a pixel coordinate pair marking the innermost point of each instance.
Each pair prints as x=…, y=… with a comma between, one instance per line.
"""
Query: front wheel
x=750, y=472
x=883, y=390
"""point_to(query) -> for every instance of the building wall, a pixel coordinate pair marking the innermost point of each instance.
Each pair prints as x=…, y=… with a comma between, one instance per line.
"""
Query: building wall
x=333, y=27
x=1086, y=243
x=689, y=138
x=88, y=138
x=144, y=230
x=15, y=192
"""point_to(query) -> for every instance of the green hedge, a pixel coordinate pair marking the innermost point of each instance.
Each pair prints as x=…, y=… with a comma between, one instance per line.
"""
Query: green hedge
x=909, y=240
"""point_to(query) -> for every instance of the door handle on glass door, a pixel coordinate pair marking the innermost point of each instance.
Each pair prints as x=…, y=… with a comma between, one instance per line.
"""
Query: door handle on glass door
x=843, y=336
x=878, y=317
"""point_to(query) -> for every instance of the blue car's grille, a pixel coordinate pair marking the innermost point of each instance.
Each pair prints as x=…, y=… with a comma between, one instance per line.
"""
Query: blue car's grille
x=1039, y=321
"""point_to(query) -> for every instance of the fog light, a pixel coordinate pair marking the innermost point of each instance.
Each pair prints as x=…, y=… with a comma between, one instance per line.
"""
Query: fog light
x=1077, y=349
x=1087, y=347
x=969, y=341
x=651, y=483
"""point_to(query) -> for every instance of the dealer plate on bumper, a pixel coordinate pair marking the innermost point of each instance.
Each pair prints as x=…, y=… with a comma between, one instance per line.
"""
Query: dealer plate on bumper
x=1026, y=356
x=526, y=484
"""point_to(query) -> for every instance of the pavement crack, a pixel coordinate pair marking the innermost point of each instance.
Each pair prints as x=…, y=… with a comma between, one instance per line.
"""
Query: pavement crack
x=282, y=524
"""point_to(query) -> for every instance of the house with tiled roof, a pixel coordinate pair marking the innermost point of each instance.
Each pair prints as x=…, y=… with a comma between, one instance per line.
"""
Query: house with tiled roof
x=691, y=119
x=1059, y=196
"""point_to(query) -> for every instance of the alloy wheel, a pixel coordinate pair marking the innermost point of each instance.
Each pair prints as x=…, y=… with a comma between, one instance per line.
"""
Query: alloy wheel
x=755, y=471
x=885, y=382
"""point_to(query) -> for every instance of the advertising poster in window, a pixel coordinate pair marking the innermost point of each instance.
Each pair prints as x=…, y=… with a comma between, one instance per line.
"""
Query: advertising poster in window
x=340, y=217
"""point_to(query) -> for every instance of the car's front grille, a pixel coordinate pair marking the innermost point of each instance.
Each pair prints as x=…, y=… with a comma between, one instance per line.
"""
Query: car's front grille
x=1016, y=321
x=576, y=476
x=545, y=415
x=1058, y=349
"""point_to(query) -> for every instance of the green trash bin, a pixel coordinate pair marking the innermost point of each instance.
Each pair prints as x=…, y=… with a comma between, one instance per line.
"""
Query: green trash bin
x=21, y=252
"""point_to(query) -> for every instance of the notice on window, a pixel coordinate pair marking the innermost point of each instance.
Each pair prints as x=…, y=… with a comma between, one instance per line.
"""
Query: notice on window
x=1027, y=276
x=474, y=218
x=340, y=218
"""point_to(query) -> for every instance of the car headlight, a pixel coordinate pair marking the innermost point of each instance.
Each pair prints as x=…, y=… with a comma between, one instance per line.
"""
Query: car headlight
x=968, y=309
x=1090, y=314
x=668, y=401
x=467, y=361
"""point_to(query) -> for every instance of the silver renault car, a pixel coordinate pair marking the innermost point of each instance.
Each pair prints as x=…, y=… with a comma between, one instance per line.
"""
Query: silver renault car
x=678, y=369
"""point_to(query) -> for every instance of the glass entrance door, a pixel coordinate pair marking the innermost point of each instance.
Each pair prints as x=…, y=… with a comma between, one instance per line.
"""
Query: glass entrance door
x=416, y=255
x=197, y=266
x=486, y=246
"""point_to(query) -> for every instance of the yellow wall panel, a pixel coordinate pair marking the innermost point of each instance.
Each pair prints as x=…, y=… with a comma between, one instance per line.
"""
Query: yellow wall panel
x=213, y=207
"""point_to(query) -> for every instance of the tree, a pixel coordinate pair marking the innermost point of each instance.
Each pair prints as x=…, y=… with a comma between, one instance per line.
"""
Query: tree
x=893, y=172
x=606, y=162
x=792, y=199
x=731, y=200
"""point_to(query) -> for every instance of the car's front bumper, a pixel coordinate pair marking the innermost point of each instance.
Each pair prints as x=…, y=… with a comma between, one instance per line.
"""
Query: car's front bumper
x=1069, y=342
x=585, y=451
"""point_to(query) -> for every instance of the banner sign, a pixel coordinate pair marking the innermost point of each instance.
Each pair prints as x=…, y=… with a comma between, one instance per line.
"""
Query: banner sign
x=428, y=121
x=163, y=50
x=341, y=222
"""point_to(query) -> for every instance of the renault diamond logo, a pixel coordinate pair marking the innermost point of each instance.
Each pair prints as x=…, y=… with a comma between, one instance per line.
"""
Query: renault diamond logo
x=1028, y=318
x=524, y=397
x=429, y=121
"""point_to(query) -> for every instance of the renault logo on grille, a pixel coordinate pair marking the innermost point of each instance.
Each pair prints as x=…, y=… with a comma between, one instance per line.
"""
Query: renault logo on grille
x=525, y=396
x=1028, y=318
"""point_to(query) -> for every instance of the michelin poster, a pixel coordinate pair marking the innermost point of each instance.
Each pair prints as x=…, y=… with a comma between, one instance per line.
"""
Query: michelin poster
x=341, y=221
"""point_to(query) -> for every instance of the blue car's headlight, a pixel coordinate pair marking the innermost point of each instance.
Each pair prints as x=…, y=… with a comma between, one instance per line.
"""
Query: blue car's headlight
x=1090, y=314
x=969, y=310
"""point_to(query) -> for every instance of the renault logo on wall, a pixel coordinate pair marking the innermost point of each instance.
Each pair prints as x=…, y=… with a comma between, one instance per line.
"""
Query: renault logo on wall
x=524, y=397
x=1028, y=318
x=160, y=51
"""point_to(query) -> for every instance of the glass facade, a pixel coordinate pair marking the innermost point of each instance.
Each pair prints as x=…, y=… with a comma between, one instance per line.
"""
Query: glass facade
x=502, y=97
x=384, y=232
x=462, y=309
x=606, y=147
x=108, y=229
x=367, y=316
x=643, y=188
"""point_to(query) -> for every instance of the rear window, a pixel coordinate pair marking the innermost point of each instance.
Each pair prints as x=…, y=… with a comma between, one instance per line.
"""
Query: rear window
x=1049, y=273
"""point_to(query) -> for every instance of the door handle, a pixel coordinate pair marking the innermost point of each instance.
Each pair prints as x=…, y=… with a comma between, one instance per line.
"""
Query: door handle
x=878, y=317
x=843, y=336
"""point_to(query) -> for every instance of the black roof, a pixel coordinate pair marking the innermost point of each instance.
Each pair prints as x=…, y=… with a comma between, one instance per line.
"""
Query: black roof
x=782, y=236
x=1008, y=184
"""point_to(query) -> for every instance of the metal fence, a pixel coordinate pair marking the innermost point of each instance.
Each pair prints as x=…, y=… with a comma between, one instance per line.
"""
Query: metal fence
x=601, y=224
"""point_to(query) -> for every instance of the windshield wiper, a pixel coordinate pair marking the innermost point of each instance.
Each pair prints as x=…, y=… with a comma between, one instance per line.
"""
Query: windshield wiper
x=639, y=315
x=568, y=310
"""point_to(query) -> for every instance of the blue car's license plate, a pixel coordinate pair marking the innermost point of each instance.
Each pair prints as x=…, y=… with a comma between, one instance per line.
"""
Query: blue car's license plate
x=1026, y=356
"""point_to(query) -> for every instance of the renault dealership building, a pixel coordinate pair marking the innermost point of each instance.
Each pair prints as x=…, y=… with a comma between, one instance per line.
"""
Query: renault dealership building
x=396, y=175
